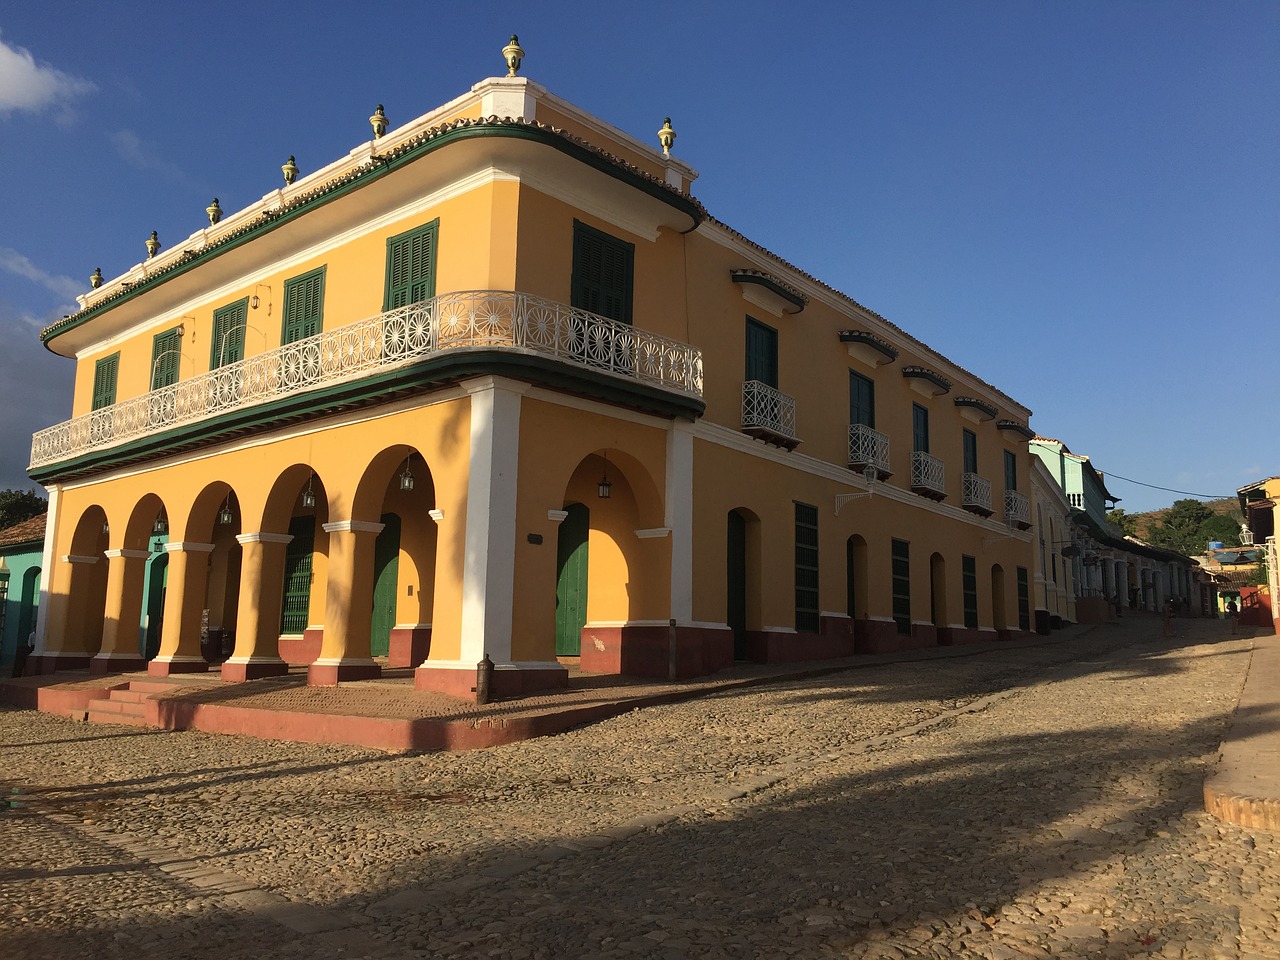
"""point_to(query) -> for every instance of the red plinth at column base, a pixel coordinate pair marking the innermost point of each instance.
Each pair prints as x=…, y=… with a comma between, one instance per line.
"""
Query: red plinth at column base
x=253, y=670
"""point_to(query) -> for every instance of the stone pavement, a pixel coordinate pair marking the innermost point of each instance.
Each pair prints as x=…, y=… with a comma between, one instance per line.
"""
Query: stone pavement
x=1036, y=801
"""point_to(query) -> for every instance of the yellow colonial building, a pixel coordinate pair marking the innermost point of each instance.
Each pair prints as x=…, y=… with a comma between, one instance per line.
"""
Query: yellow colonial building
x=496, y=384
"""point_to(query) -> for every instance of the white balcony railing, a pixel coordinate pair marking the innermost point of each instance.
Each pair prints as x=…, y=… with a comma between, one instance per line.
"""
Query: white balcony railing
x=472, y=318
x=768, y=413
x=975, y=494
x=868, y=447
x=928, y=476
x=1017, y=509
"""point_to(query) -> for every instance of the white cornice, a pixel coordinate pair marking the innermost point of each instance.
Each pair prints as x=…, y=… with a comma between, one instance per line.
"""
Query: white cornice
x=848, y=308
x=740, y=442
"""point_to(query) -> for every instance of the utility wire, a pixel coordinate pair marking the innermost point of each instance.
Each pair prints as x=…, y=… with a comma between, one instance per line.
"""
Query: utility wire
x=1206, y=496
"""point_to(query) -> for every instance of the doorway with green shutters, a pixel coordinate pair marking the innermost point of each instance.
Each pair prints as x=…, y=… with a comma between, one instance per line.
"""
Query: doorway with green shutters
x=386, y=571
x=571, y=580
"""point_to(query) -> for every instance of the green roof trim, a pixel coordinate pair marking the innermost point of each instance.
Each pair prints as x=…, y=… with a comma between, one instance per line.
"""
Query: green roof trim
x=374, y=169
x=421, y=377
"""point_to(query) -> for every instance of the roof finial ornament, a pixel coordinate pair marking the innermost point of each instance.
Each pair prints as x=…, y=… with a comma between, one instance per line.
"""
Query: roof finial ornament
x=513, y=53
x=214, y=211
x=666, y=137
x=153, y=245
x=379, y=122
x=290, y=171
x=95, y=280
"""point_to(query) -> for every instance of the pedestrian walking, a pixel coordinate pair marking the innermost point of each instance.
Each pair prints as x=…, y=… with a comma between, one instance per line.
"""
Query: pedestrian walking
x=1168, y=617
x=1233, y=613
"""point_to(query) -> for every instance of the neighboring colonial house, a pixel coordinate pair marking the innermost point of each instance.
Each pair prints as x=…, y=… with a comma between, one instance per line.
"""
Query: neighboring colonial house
x=1257, y=598
x=496, y=384
x=1112, y=571
x=21, y=546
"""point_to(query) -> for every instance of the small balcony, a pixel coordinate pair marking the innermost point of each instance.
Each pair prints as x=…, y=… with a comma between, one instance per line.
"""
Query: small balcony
x=1017, y=510
x=372, y=360
x=975, y=494
x=768, y=414
x=928, y=476
x=868, y=448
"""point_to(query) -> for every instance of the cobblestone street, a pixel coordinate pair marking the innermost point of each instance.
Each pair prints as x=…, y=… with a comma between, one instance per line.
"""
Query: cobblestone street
x=1034, y=802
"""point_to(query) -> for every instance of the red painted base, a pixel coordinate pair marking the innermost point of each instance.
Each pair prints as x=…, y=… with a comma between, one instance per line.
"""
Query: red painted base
x=253, y=670
x=835, y=639
x=409, y=646
x=959, y=636
x=882, y=636
x=53, y=662
x=643, y=651
x=168, y=668
x=513, y=681
x=301, y=650
x=100, y=665
x=331, y=674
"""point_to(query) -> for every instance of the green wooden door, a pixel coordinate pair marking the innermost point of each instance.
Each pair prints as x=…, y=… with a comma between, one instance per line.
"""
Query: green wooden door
x=386, y=570
x=296, y=608
x=157, y=583
x=736, y=577
x=571, y=580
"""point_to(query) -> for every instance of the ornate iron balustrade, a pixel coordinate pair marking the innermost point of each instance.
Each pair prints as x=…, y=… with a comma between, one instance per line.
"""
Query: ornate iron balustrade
x=975, y=494
x=868, y=447
x=928, y=475
x=768, y=414
x=473, y=318
x=1017, y=509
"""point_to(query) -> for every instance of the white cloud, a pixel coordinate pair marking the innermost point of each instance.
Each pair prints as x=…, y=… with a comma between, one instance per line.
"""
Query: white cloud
x=143, y=155
x=38, y=386
x=14, y=262
x=28, y=85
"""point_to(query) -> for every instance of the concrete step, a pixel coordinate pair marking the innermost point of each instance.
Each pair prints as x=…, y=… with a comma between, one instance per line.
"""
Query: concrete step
x=106, y=716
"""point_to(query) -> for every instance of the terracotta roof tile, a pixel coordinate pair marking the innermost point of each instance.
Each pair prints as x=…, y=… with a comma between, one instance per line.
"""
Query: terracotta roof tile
x=28, y=531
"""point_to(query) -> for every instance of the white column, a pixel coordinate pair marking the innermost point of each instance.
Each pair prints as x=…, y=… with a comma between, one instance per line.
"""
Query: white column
x=488, y=580
x=46, y=567
x=679, y=518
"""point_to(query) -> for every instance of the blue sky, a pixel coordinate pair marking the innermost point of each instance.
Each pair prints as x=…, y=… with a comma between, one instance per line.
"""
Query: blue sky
x=1078, y=202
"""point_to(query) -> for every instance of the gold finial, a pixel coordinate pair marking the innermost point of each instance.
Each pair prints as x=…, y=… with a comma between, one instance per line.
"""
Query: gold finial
x=666, y=137
x=379, y=122
x=290, y=171
x=153, y=245
x=214, y=211
x=95, y=280
x=513, y=53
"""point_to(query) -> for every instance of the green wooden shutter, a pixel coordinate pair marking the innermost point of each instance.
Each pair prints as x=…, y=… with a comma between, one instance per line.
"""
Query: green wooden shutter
x=806, y=568
x=1024, y=600
x=165, y=353
x=296, y=607
x=603, y=268
x=411, y=267
x=919, y=428
x=1010, y=471
x=228, y=334
x=762, y=353
x=901, y=555
x=104, y=381
x=970, y=452
x=862, y=400
x=303, y=306
x=969, y=582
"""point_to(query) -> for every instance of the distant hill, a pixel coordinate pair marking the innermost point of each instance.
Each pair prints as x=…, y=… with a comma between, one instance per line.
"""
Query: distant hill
x=1145, y=523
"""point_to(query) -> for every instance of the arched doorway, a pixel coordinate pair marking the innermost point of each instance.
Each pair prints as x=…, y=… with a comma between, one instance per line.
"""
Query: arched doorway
x=386, y=572
x=153, y=612
x=28, y=604
x=572, y=568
